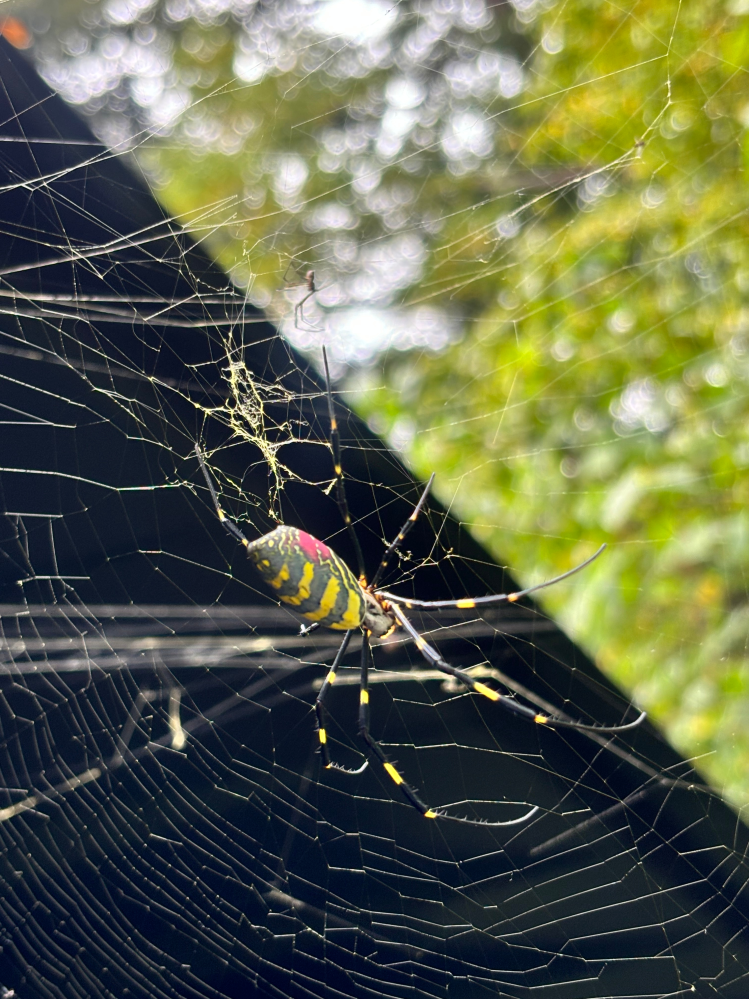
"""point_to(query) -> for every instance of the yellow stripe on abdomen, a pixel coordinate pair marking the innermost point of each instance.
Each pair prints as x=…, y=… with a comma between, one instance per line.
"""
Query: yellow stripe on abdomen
x=278, y=581
x=352, y=616
x=303, y=589
x=327, y=601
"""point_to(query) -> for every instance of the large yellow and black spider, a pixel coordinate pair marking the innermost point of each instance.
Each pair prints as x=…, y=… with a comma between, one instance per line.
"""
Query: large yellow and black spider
x=308, y=575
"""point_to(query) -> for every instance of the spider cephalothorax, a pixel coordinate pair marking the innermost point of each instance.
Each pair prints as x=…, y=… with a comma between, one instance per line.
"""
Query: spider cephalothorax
x=308, y=575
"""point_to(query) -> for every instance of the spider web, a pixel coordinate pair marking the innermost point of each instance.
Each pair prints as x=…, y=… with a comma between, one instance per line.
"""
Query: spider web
x=167, y=829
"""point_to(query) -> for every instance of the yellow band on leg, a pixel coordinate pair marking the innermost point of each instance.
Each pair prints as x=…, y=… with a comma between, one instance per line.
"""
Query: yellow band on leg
x=481, y=688
x=393, y=773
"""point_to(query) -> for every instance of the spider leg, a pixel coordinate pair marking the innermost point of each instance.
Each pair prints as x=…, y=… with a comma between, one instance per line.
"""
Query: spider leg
x=433, y=657
x=229, y=525
x=409, y=793
x=309, y=280
x=299, y=312
x=335, y=440
x=320, y=711
x=395, y=545
x=496, y=598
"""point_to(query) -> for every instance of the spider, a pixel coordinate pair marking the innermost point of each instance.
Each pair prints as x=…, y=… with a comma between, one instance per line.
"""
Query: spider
x=308, y=575
x=309, y=281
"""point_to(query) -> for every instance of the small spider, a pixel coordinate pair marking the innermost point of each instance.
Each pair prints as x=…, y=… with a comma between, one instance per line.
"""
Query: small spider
x=308, y=575
x=309, y=280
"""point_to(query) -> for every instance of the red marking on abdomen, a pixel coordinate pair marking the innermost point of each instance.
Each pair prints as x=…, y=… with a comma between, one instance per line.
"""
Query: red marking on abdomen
x=314, y=550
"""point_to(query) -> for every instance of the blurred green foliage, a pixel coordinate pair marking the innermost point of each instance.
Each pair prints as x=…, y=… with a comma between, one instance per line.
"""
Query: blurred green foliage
x=589, y=234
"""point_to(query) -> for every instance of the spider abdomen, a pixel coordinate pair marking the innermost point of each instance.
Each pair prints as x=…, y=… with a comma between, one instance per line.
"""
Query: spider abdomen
x=310, y=577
